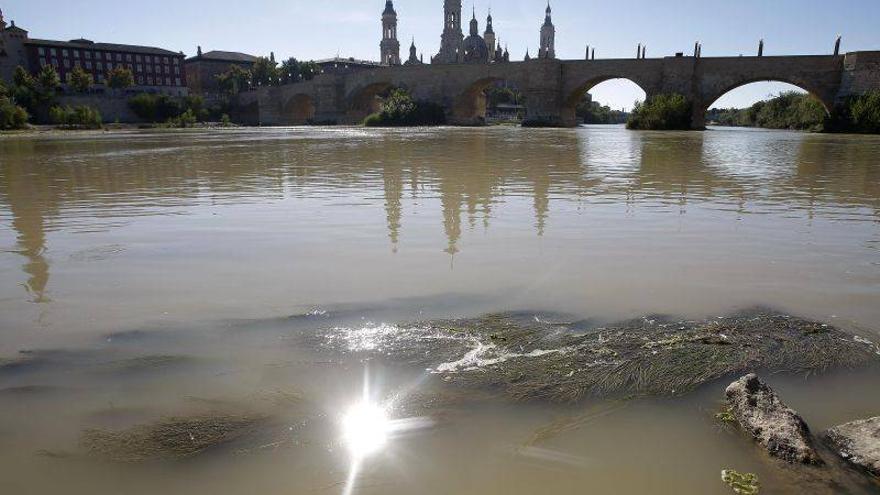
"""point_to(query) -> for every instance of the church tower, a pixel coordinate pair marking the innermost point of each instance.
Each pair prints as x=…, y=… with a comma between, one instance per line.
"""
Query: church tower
x=548, y=37
x=451, y=41
x=489, y=36
x=390, y=47
x=413, y=57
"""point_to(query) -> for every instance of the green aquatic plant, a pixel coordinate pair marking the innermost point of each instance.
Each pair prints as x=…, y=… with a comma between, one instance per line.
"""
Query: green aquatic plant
x=741, y=483
x=726, y=416
x=528, y=359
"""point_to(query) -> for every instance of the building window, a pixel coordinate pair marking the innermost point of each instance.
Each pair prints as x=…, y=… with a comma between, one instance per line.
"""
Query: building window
x=138, y=58
x=148, y=59
x=176, y=61
x=166, y=60
x=65, y=53
x=89, y=64
x=42, y=51
x=140, y=68
x=128, y=57
x=109, y=65
x=101, y=78
x=76, y=54
x=168, y=81
x=43, y=62
x=53, y=52
x=167, y=70
x=100, y=65
x=177, y=71
x=149, y=69
x=119, y=57
x=150, y=80
x=88, y=55
x=141, y=80
x=108, y=55
x=177, y=81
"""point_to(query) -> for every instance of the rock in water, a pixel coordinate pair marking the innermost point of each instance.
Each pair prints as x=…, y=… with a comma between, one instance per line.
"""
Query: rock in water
x=858, y=442
x=777, y=427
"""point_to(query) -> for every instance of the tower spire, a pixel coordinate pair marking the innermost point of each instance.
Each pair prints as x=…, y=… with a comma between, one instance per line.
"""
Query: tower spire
x=390, y=47
x=548, y=36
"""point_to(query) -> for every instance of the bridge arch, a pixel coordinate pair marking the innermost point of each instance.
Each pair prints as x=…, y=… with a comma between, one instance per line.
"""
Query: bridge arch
x=712, y=97
x=709, y=98
x=572, y=99
x=299, y=109
x=365, y=100
x=469, y=106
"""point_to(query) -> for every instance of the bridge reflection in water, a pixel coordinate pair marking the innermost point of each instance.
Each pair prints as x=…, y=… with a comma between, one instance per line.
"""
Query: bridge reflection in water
x=473, y=177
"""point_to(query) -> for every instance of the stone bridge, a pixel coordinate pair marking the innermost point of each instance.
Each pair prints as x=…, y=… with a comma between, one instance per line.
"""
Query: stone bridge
x=553, y=88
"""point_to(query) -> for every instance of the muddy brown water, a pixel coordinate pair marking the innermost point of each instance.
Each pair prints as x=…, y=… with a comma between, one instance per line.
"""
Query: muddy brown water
x=153, y=275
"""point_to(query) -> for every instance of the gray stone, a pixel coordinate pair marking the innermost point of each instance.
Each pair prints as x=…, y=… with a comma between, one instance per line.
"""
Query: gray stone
x=774, y=425
x=552, y=88
x=857, y=442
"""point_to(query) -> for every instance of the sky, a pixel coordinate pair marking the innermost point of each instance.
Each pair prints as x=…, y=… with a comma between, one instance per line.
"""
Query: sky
x=352, y=28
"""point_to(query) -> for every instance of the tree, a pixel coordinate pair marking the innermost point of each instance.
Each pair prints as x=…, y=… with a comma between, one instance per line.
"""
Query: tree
x=264, y=72
x=290, y=71
x=12, y=116
x=235, y=80
x=48, y=83
x=864, y=112
x=22, y=79
x=308, y=70
x=80, y=80
x=662, y=112
x=399, y=109
x=120, y=78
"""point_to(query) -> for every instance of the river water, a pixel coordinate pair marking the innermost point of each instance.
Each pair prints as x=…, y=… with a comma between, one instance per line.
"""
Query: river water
x=223, y=234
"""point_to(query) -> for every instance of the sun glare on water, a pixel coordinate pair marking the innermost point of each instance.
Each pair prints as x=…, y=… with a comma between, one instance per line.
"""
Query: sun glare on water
x=365, y=429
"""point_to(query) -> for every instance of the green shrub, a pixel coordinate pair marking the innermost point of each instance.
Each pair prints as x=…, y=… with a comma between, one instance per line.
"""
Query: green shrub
x=399, y=110
x=12, y=116
x=864, y=113
x=184, y=120
x=79, y=117
x=157, y=108
x=225, y=121
x=662, y=112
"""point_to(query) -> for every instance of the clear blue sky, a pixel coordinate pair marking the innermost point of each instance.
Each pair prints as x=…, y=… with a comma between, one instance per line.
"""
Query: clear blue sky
x=320, y=29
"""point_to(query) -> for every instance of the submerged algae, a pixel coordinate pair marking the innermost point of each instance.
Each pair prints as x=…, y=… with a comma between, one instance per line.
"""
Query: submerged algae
x=168, y=439
x=533, y=359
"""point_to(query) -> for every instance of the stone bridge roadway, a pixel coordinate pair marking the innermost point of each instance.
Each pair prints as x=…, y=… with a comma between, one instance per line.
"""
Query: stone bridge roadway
x=552, y=88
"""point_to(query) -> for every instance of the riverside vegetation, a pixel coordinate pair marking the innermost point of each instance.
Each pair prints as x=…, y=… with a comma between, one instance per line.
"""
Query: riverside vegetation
x=799, y=111
x=399, y=109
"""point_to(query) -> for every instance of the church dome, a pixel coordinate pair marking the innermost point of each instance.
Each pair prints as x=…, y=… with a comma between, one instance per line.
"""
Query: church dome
x=475, y=50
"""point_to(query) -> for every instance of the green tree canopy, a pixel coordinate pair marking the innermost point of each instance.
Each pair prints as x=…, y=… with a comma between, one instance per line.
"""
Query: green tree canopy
x=235, y=80
x=308, y=70
x=290, y=71
x=120, y=78
x=48, y=82
x=264, y=72
x=80, y=80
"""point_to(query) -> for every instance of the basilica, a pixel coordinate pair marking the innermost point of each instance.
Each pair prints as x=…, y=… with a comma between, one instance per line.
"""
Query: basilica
x=455, y=48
